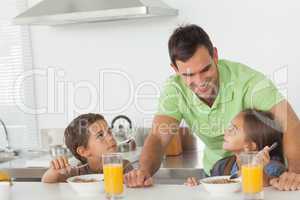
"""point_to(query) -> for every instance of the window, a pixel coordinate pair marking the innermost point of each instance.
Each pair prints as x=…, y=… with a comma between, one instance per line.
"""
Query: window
x=15, y=59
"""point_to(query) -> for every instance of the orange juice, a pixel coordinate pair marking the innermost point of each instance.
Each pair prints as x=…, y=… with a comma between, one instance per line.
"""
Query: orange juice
x=252, y=178
x=113, y=179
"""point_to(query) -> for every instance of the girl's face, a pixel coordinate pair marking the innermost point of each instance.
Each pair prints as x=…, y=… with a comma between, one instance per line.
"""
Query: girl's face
x=100, y=141
x=235, y=137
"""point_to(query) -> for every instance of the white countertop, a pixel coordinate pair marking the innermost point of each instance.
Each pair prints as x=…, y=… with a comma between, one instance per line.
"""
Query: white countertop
x=62, y=191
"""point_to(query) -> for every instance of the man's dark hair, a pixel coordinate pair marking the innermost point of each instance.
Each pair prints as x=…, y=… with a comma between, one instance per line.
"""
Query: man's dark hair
x=185, y=41
x=77, y=133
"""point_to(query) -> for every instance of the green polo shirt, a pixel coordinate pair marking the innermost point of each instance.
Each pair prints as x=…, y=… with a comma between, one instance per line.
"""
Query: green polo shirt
x=240, y=88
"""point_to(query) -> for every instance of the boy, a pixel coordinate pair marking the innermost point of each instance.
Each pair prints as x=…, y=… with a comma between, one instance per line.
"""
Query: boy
x=87, y=137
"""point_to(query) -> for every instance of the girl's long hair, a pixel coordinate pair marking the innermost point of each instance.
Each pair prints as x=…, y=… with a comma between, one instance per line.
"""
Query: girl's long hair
x=262, y=129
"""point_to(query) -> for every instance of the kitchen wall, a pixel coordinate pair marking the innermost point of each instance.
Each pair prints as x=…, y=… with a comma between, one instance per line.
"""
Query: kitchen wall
x=119, y=67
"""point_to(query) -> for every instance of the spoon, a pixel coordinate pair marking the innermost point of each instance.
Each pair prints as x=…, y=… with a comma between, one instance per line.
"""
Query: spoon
x=130, y=164
x=124, y=141
x=233, y=176
x=68, y=169
x=80, y=166
x=273, y=146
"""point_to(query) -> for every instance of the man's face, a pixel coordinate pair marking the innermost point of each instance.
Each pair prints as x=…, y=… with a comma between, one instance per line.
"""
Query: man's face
x=200, y=73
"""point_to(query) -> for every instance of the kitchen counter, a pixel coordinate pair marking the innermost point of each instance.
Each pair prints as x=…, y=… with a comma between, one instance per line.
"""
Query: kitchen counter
x=187, y=160
x=63, y=191
x=42, y=159
x=174, y=169
x=31, y=166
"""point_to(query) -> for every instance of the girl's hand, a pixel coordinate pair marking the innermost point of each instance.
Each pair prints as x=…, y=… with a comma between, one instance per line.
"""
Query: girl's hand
x=265, y=155
x=191, y=182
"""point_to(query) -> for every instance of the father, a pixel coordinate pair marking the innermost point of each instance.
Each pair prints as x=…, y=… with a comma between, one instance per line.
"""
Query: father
x=207, y=93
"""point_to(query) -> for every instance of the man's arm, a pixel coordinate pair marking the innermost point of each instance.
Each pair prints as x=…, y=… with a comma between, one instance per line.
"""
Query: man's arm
x=163, y=129
x=162, y=132
x=289, y=121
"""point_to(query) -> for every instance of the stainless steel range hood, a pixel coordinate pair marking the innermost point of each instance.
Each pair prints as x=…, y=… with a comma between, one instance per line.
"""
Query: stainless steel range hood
x=57, y=12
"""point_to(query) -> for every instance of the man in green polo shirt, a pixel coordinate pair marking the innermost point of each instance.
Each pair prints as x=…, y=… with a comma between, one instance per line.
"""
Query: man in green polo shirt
x=207, y=93
x=236, y=90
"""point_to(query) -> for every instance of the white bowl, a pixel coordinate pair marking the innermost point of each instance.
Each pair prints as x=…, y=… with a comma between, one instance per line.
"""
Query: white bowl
x=221, y=188
x=87, y=188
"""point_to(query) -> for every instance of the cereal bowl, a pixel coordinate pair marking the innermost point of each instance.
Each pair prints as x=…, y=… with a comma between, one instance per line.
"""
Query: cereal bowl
x=87, y=185
x=219, y=185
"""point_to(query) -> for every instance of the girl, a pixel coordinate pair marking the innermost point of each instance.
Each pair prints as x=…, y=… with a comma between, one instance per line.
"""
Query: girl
x=251, y=130
x=87, y=137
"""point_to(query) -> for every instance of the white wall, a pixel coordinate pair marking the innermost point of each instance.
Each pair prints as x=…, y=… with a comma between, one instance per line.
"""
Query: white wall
x=262, y=34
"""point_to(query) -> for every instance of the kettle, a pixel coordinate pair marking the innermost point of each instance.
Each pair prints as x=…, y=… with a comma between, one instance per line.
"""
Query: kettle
x=121, y=127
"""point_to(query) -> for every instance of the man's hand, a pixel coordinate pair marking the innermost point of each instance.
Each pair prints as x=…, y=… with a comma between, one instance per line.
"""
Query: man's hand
x=160, y=136
x=288, y=181
x=138, y=178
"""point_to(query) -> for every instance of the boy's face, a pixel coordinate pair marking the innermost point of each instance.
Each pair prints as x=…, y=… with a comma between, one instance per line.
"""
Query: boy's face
x=100, y=141
x=234, y=137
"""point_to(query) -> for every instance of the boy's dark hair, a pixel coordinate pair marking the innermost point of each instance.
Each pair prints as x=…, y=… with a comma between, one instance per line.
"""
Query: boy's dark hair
x=261, y=128
x=185, y=41
x=77, y=134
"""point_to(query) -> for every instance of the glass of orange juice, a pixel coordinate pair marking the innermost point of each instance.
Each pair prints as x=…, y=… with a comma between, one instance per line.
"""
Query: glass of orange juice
x=113, y=175
x=252, y=175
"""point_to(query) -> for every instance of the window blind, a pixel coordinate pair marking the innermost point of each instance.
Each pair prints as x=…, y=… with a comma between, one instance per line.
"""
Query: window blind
x=15, y=60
